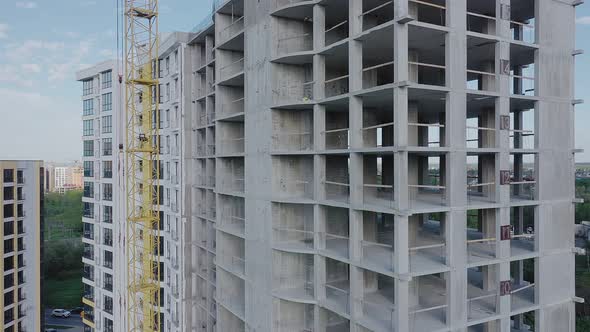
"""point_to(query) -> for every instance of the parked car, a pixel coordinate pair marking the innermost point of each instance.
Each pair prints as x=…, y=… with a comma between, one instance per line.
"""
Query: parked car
x=76, y=310
x=62, y=313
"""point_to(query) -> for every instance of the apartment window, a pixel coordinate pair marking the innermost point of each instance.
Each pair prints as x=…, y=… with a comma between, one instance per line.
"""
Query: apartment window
x=107, y=146
x=160, y=94
x=88, y=127
x=8, y=228
x=108, y=282
x=88, y=168
x=175, y=95
x=20, y=244
x=89, y=189
x=107, y=214
x=8, y=316
x=107, y=102
x=167, y=65
x=21, y=263
x=167, y=91
x=9, y=211
x=88, y=107
x=107, y=169
x=107, y=124
x=108, y=304
x=8, y=175
x=88, y=148
x=8, y=263
x=88, y=210
x=8, y=281
x=108, y=259
x=8, y=246
x=107, y=191
x=108, y=325
x=8, y=193
x=176, y=59
x=107, y=79
x=87, y=87
x=108, y=237
x=161, y=69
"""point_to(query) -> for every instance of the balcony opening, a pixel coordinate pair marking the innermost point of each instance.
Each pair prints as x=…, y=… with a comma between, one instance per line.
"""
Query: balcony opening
x=293, y=276
x=426, y=181
x=524, y=322
x=230, y=294
x=523, y=235
x=489, y=326
x=481, y=235
x=481, y=16
x=229, y=321
x=293, y=178
x=480, y=124
x=523, y=184
x=292, y=130
x=295, y=35
x=428, y=303
x=293, y=226
x=377, y=58
x=294, y=6
x=522, y=70
x=337, y=286
x=523, y=21
x=482, y=292
x=378, y=126
x=337, y=178
x=337, y=232
x=293, y=84
x=231, y=173
x=336, y=136
x=377, y=245
x=333, y=322
x=522, y=125
x=481, y=64
x=230, y=137
x=426, y=118
x=376, y=13
x=232, y=216
x=210, y=106
x=426, y=56
x=293, y=316
x=481, y=179
x=336, y=72
x=231, y=68
x=378, y=180
x=230, y=26
x=428, y=11
x=523, y=289
x=231, y=256
x=427, y=242
x=336, y=21
x=232, y=102
x=378, y=301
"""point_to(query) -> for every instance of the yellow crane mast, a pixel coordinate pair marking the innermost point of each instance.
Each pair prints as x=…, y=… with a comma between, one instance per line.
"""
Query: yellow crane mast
x=142, y=167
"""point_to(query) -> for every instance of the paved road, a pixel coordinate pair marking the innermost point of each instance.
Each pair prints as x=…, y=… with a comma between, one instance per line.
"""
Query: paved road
x=74, y=321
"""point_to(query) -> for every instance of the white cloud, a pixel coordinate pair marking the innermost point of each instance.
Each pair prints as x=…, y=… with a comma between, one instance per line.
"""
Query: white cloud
x=3, y=30
x=583, y=20
x=26, y=4
x=11, y=74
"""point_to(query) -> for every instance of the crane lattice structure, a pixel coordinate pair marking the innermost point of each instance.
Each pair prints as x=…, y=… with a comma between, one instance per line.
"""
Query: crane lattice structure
x=142, y=168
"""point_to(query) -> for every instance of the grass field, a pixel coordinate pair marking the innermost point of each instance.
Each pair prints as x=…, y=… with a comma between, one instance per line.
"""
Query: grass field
x=64, y=293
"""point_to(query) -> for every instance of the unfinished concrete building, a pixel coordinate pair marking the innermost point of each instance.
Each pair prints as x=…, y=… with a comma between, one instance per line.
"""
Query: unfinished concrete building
x=371, y=165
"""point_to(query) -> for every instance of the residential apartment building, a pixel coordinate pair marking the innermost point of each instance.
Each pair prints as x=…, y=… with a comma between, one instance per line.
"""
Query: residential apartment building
x=369, y=165
x=67, y=178
x=104, y=248
x=21, y=194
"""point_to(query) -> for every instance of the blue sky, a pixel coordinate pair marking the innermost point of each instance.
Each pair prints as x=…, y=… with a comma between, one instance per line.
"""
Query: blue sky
x=44, y=42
